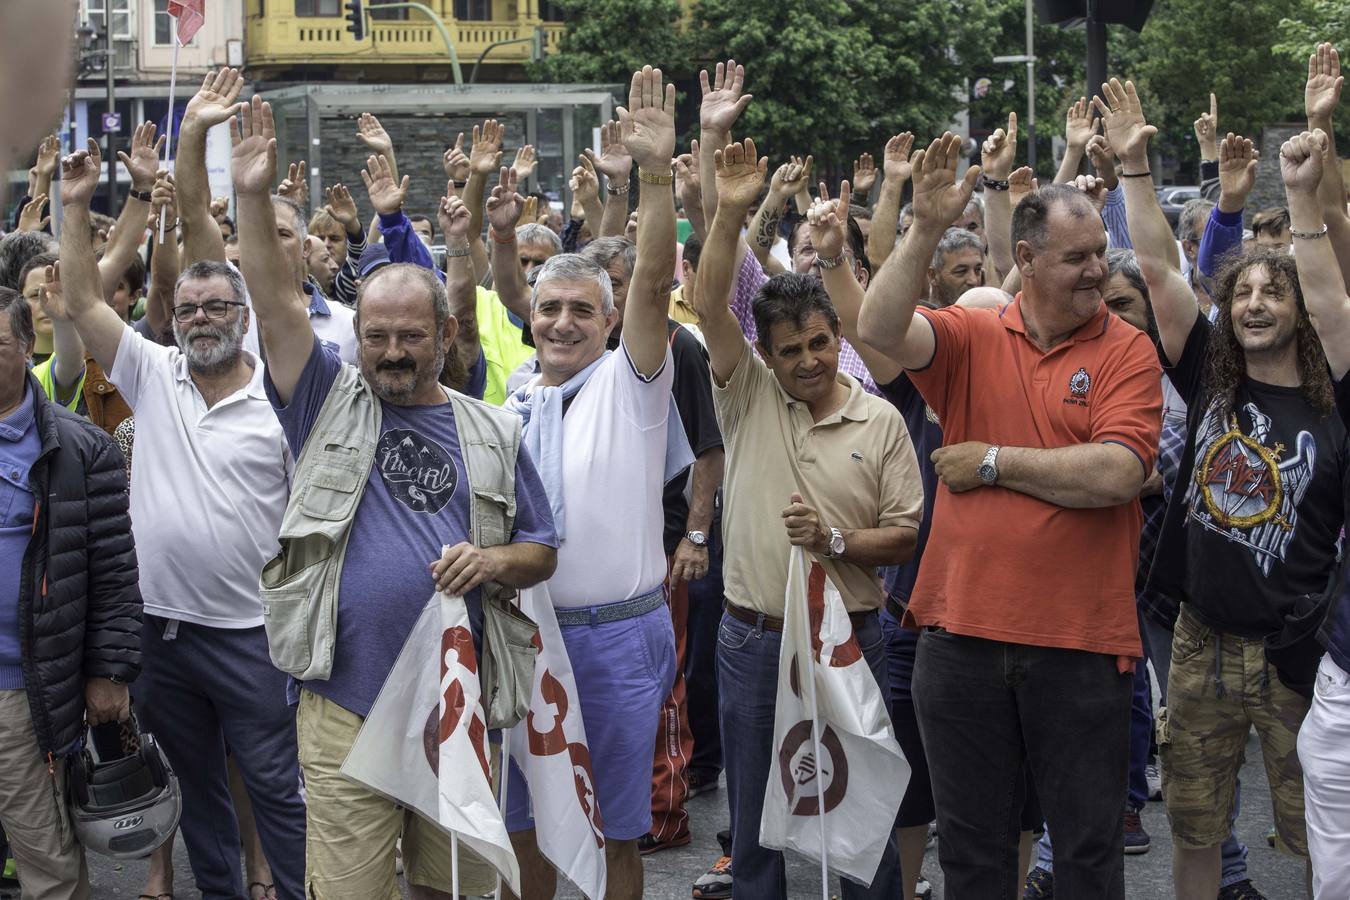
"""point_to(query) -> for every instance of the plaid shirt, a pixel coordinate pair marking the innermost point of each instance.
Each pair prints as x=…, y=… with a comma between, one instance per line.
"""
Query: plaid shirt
x=749, y=280
x=1171, y=444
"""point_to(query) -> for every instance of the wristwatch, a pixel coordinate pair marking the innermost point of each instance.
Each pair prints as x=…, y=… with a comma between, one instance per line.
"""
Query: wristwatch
x=988, y=470
x=697, y=538
x=836, y=548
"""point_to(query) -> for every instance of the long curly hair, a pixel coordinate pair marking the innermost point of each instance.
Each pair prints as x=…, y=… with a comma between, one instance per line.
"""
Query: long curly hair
x=1227, y=364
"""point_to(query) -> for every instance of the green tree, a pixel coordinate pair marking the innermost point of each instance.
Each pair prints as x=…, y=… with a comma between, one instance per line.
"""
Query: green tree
x=608, y=40
x=1316, y=21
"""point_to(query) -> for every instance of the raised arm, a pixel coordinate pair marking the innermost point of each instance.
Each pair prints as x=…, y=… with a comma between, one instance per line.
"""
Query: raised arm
x=214, y=103
x=864, y=177
x=888, y=309
x=828, y=221
x=740, y=175
x=786, y=182
x=99, y=327
x=690, y=189
x=997, y=155
x=723, y=102
x=387, y=194
x=485, y=156
x=886, y=215
x=370, y=132
x=1079, y=127
x=67, y=348
x=503, y=211
x=1206, y=128
x=283, y=325
x=1173, y=302
x=647, y=128
x=1223, y=229
x=48, y=159
x=460, y=284
x=585, y=185
x=616, y=164
x=1303, y=170
x=164, y=263
x=143, y=166
x=1321, y=96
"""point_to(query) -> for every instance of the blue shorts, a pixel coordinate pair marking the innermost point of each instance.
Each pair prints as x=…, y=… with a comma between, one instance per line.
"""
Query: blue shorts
x=623, y=670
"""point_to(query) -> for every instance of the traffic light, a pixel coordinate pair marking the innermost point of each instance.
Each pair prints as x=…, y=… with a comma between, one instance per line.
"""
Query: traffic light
x=537, y=45
x=356, y=19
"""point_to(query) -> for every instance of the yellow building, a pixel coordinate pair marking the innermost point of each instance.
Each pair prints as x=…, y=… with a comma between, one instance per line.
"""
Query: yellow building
x=287, y=39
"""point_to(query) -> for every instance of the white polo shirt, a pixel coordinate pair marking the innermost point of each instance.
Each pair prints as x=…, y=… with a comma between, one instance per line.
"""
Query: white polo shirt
x=333, y=324
x=208, y=487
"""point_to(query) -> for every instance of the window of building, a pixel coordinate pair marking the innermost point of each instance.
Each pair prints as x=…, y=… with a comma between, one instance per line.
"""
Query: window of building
x=166, y=26
x=386, y=15
x=550, y=11
x=318, y=7
x=96, y=14
x=473, y=10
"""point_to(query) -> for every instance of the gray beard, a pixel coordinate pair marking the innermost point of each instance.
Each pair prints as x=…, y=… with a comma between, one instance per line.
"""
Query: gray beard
x=217, y=359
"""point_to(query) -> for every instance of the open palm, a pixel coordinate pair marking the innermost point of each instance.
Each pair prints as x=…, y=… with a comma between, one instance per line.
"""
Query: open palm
x=740, y=175
x=216, y=101
x=647, y=126
x=253, y=160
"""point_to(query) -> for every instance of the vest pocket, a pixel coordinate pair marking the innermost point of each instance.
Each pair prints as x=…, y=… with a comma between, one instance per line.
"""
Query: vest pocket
x=286, y=621
x=493, y=515
x=331, y=492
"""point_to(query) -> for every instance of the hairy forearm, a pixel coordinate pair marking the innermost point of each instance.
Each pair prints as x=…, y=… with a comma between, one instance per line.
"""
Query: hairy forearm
x=708, y=145
x=1331, y=195
x=764, y=226
x=888, y=308
x=163, y=276
x=126, y=241
x=716, y=273
x=270, y=283
x=998, y=220
x=201, y=235
x=847, y=296
x=1068, y=166
x=889, y=546
x=704, y=479
x=80, y=282
x=474, y=191
x=67, y=354
x=1083, y=476
x=593, y=211
x=1154, y=245
x=885, y=220
x=1324, y=286
x=507, y=279
x=649, y=293
x=614, y=220
x=522, y=564
x=461, y=288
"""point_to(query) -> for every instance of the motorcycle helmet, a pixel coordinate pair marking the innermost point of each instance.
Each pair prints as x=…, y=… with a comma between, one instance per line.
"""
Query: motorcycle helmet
x=124, y=798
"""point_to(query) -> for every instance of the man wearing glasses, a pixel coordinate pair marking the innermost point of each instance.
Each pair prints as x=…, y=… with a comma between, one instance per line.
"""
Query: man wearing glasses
x=211, y=474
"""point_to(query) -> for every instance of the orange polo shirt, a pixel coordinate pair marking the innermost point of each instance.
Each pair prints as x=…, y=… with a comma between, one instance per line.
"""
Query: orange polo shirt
x=1006, y=566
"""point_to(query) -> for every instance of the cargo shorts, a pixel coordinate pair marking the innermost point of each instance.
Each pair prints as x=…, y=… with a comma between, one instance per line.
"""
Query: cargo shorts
x=1219, y=687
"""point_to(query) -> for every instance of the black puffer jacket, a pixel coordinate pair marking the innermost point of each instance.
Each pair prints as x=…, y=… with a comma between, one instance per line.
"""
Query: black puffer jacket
x=79, y=601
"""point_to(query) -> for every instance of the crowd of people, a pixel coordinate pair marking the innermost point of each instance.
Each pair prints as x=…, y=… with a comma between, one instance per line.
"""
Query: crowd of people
x=1047, y=449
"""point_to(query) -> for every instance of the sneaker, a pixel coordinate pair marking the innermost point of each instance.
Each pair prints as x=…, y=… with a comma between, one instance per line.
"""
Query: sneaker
x=922, y=889
x=1154, y=775
x=715, y=884
x=1040, y=885
x=700, y=783
x=650, y=843
x=932, y=836
x=1136, y=838
x=1242, y=890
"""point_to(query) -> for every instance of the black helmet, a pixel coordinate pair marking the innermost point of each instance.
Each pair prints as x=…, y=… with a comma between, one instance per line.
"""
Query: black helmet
x=124, y=797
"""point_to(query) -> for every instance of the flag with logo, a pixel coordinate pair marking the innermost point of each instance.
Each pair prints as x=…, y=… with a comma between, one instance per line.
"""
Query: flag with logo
x=549, y=747
x=190, y=15
x=837, y=773
x=424, y=744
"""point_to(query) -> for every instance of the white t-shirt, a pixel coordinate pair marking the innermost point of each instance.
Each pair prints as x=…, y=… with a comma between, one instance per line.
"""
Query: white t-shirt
x=336, y=331
x=614, y=460
x=208, y=487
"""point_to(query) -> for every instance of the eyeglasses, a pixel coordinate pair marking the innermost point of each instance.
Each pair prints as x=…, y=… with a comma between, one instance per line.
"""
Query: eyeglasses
x=214, y=309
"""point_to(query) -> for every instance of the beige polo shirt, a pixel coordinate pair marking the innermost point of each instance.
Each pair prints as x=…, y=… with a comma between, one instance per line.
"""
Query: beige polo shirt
x=856, y=468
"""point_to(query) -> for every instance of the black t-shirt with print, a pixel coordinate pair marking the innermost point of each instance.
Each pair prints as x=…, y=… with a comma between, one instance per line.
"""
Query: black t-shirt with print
x=1255, y=523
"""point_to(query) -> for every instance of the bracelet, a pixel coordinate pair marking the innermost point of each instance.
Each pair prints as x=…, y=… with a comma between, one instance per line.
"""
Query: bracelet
x=830, y=262
x=511, y=239
x=619, y=191
x=1144, y=174
x=1310, y=235
x=457, y=252
x=646, y=177
x=459, y=185
x=994, y=184
x=143, y=196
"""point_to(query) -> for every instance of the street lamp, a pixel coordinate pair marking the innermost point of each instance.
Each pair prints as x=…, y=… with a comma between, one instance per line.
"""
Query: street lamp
x=1030, y=59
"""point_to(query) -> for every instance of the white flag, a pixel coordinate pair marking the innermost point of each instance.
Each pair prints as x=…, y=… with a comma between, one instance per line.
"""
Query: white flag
x=424, y=744
x=861, y=772
x=549, y=747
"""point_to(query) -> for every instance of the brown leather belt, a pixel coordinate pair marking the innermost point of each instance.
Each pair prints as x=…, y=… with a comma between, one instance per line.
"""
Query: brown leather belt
x=770, y=623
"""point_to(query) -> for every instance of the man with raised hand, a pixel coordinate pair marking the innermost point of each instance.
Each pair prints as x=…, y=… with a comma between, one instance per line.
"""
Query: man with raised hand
x=390, y=468
x=1249, y=547
x=1050, y=410
x=805, y=445
x=611, y=439
x=210, y=483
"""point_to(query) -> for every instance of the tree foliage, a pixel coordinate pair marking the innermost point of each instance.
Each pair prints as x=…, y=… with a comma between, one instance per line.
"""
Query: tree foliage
x=608, y=40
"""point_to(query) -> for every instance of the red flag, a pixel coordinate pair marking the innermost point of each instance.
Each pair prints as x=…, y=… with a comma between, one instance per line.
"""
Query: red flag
x=191, y=15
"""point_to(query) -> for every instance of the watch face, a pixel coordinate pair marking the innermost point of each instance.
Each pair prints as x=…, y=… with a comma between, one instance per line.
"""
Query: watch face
x=987, y=473
x=837, y=545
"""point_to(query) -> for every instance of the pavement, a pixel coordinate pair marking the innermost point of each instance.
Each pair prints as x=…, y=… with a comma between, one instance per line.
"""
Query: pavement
x=670, y=873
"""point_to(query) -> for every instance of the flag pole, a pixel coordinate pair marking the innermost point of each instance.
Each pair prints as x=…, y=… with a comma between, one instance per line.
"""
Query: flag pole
x=168, y=142
x=810, y=678
x=504, y=770
x=454, y=864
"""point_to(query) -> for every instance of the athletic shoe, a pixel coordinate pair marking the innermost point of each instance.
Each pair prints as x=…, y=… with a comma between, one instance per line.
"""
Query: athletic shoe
x=1242, y=890
x=700, y=783
x=715, y=884
x=649, y=843
x=1154, y=775
x=922, y=889
x=1136, y=838
x=1040, y=885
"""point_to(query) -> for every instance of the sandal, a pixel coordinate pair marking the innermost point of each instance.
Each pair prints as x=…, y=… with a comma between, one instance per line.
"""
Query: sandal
x=269, y=891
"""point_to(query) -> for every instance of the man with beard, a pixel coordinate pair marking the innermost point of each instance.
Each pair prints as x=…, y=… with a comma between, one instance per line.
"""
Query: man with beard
x=392, y=468
x=211, y=476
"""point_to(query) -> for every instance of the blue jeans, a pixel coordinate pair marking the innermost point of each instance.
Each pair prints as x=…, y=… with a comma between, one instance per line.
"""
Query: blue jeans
x=747, y=670
x=700, y=662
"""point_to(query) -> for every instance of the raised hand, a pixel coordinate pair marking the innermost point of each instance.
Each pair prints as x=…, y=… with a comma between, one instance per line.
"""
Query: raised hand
x=454, y=161
x=164, y=196
x=687, y=185
x=220, y=207
x=585, y=184
x=452, y=215
x=723, y=100
x=485, y=147
x=1094, y=187
x=49, y=157
x=52, y=297
x=31, y=218
x=1126, y=128
x=525, y=163
x=370, y=132
x=80, y=172
x=1207, y=130
x=217, y=99
x=529, y=211
x=1238, y=159
x=504, y=205
x=253, y=162
x=1322, y=93
x=864, y=174
x=295, y=186
x=1301, y=162
x=386, y=195
x=938, y=197
x=342, y=207
x=895, y=162
x=1103, y=160
x=828, y=221
x=1020, y=183
x=1000, y=150
x=792, y=176
x=1079, y=124
x=740, y=176
x=647, y=125
x=143, y=162
x=614, y=161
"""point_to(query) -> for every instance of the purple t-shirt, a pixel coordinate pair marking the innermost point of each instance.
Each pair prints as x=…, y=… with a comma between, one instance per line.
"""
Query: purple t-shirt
x=416, y=500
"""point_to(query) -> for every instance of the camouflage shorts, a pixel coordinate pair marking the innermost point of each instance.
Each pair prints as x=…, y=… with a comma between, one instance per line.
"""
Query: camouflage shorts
x=1212, y=705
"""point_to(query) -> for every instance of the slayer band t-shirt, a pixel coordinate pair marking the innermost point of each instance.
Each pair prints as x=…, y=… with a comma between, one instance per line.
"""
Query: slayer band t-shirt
x=1263, y=500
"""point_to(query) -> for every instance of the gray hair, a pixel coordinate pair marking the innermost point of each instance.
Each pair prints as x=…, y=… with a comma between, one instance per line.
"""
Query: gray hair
x=420, y=275
x=1191, y=221
x=954, y=239
x=977, y=201
x=296, y=212
x=1031, y=218
x=16, y=249
x=577, y=267
x=605, y=250
x=534, y=233
x=20, y=316
x=1121, y=261
x=210, y=268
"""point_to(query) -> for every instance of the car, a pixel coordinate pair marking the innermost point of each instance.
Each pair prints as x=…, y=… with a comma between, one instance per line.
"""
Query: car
x=1173, y=197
